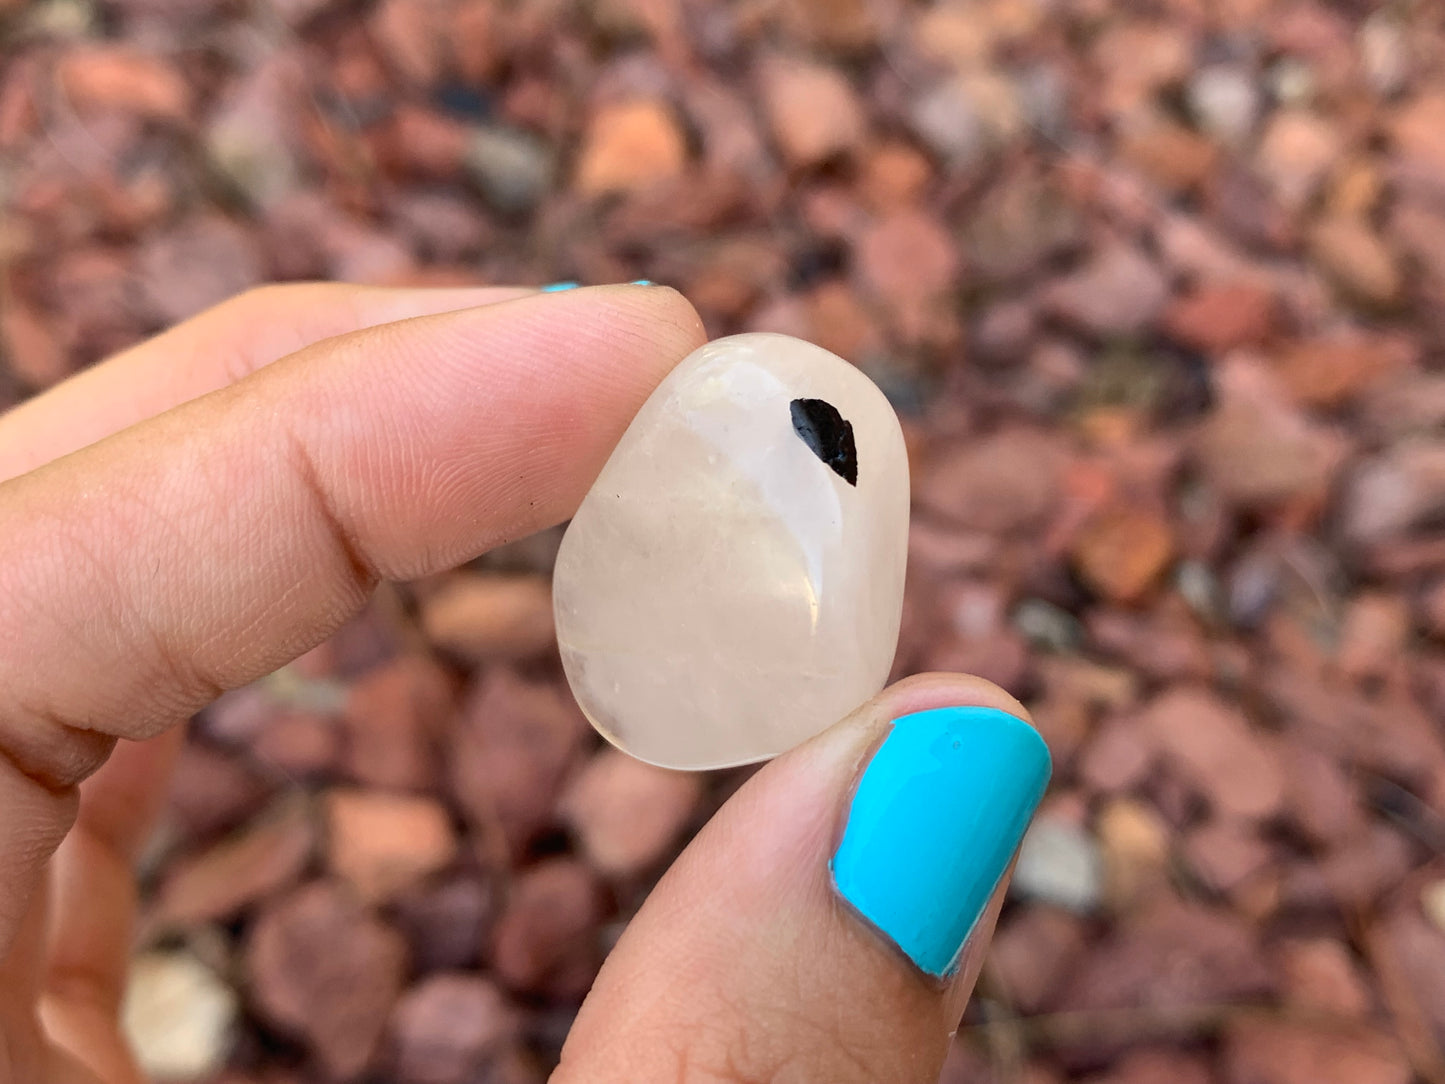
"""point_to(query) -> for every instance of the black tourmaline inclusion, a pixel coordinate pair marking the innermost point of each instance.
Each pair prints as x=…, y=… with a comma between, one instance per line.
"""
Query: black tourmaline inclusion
x=829, y=434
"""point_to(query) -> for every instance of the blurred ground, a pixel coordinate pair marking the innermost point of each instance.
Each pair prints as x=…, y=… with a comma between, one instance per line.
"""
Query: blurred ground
x=1160, y=289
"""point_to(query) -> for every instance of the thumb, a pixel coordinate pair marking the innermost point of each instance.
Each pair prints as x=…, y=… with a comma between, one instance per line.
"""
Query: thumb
x=828, y=924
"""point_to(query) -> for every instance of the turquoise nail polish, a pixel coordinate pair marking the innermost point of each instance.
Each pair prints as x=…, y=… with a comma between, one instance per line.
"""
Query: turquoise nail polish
x=641, y=282
x=558, y=287
x=934, y=824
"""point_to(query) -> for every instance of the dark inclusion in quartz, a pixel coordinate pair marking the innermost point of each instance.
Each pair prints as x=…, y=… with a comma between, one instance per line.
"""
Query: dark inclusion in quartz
x=829, y=434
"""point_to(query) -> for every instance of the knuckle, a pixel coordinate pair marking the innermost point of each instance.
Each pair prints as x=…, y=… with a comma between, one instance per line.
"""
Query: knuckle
x=83, y=658
x=294, y=315
x=50, y=751
x=359, y=569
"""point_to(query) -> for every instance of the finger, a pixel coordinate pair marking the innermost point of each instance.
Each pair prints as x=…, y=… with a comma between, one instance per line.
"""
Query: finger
x=829, y=922
x=32, y=819
x=93, y=896
x=203, y=548
x=209, y=351
x=21, y=974
x=93, y=906
x=91, y=886
x=94, y=892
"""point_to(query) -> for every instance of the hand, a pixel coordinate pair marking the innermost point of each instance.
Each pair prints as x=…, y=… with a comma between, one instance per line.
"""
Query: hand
x=193, y=513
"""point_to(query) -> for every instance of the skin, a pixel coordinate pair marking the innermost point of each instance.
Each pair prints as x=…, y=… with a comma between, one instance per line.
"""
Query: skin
x=200, y=509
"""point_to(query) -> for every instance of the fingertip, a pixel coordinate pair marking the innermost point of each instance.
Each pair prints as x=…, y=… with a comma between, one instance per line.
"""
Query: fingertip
x=861, y=871
x=622, y=340
x=643, y=307
x=938, y=689
x=933, y=824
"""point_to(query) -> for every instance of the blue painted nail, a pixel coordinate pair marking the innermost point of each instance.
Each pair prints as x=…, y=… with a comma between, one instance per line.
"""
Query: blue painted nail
x=558, y=287
x=934, y=824
x=640, y=282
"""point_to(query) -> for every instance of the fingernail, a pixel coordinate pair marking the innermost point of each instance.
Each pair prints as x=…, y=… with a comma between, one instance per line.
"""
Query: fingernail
x=641, y=282
x=558, y=287
x=935, y=822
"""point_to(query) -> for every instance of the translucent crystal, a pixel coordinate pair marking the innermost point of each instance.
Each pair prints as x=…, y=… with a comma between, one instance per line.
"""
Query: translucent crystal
x=733, y=582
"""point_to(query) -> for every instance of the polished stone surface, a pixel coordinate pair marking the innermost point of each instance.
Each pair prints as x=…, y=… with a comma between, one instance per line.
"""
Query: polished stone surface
x=733, y=582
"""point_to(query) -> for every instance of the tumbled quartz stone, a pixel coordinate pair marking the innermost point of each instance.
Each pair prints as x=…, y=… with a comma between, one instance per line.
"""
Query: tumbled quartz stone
x=733, y=582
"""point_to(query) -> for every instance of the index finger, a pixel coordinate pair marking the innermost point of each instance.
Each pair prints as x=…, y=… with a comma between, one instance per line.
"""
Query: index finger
x=201, y=549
